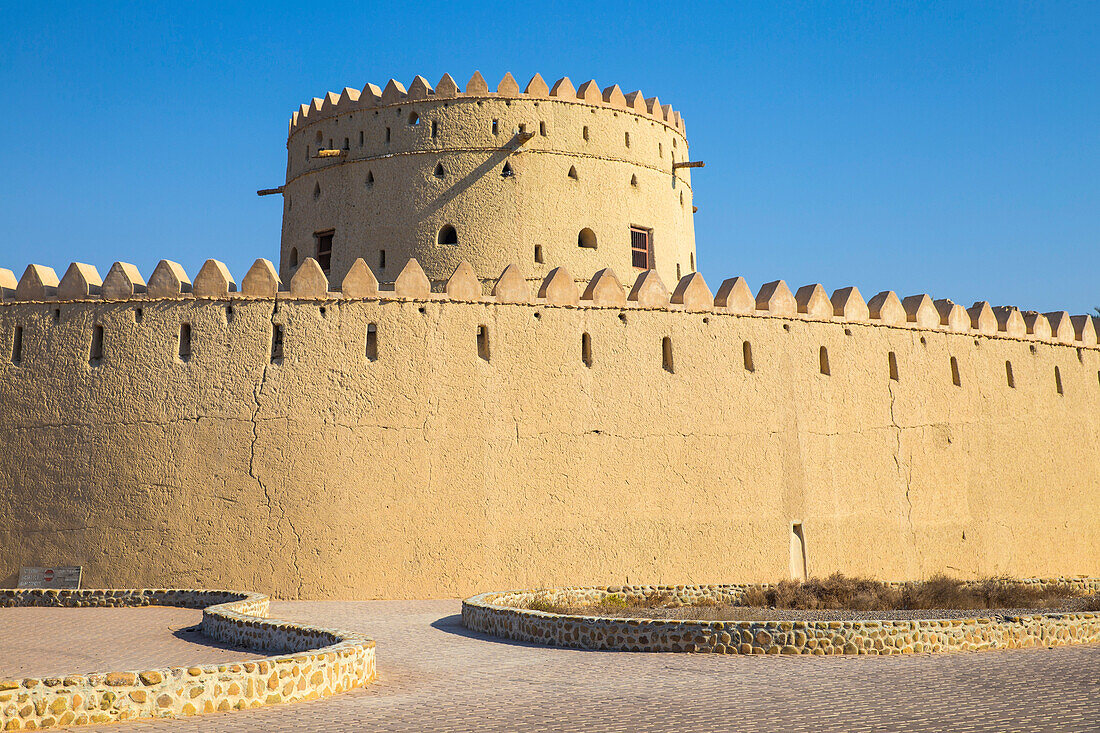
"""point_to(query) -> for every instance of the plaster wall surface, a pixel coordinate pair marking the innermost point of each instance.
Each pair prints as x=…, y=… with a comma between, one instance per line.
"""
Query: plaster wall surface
x=396, y=184
x=432, y=472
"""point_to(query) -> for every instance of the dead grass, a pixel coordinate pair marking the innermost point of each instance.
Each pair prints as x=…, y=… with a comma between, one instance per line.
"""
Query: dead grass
x=840, y=592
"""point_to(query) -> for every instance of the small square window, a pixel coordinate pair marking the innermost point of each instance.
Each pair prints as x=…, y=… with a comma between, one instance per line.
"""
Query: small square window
x=641, y=248
x=324, y=249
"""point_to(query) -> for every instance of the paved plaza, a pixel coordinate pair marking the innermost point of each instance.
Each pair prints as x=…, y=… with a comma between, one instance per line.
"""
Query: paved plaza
x=434, y=675
x=53, y=642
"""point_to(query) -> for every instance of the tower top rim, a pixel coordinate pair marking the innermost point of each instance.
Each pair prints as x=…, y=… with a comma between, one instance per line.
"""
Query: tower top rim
x=395, y=93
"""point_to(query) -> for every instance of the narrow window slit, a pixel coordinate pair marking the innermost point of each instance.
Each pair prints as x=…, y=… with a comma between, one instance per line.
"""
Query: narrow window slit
x=799, y=570
x=17, y=346
x=381, y=259
x=483, y=342
x=956, y=379
x=372, y=342
x=1058, y=380
x=538, y=253
x=666, y=355
x=892, y=359
x=96, y=353
x=1008, y=375
x=746, y=353
x=586, y=349
x=277, y=344
x=185, y=342
x=823, y=359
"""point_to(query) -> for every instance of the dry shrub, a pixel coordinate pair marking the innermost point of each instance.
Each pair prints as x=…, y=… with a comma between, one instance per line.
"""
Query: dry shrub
x=841, y=592
x=664, y=599
x=1003, y=592
x=543, y=602
x=837, y=591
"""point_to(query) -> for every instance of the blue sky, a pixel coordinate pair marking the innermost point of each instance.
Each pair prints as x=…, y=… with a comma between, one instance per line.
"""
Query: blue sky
x=952, y=149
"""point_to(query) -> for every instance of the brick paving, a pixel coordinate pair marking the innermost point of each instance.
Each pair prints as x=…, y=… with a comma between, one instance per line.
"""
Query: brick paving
x=436, y=676
x=50, y=642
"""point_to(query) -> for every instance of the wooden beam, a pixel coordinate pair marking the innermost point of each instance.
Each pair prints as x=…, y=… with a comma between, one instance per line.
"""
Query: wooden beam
x=269, y=191
x=686, y=164
x=516, y=143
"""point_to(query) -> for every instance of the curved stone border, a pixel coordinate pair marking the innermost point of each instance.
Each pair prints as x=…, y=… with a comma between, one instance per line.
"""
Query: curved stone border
x=500, y=614
x=311, y=663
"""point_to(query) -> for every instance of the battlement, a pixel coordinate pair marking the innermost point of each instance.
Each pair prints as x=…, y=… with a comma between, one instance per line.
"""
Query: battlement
x=168, y=280
x=395, y=93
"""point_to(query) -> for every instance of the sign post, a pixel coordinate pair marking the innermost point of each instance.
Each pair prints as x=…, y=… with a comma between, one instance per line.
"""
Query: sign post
x=67, y=576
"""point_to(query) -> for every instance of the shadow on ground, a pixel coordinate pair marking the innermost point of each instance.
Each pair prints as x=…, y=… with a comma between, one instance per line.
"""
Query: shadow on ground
x=194, y=635
x=453, y=625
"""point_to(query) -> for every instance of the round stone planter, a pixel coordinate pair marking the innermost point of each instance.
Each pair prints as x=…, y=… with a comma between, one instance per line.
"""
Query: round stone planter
x=505, y=614
x=302, y=662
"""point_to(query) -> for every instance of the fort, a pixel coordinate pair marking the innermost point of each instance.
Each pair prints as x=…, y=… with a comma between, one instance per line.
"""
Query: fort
x=486, y=360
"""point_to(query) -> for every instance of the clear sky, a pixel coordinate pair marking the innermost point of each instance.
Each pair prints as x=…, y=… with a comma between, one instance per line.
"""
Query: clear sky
x=952, y=149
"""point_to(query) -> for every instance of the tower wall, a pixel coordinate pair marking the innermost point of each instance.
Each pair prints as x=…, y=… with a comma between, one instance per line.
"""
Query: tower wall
x=382, y=192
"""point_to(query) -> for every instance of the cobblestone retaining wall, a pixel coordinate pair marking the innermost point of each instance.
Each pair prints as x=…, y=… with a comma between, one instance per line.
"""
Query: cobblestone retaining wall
x=503, y=614
x=312, y=663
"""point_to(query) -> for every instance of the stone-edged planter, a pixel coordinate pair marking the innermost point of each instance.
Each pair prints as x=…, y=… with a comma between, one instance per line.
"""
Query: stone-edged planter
x=308, y=663
x=505, y=614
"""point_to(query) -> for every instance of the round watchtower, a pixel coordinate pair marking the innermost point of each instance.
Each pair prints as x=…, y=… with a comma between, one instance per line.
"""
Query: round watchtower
x=580, y=177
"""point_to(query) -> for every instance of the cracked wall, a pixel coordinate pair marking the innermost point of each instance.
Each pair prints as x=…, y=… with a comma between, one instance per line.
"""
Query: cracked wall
x=431, y=472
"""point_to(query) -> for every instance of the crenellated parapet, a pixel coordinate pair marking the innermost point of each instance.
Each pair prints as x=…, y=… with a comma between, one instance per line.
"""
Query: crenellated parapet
x=691, y=294
x=394, y=93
